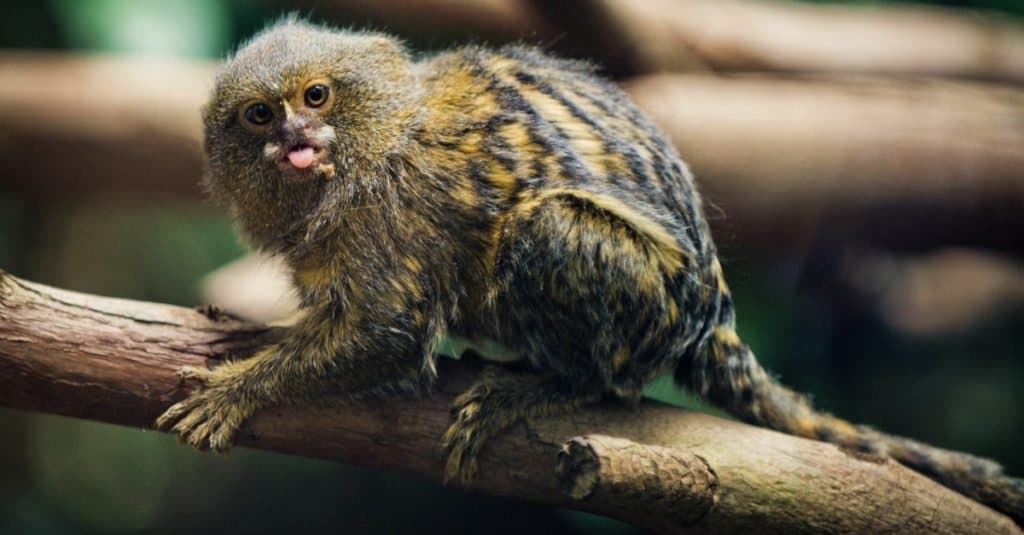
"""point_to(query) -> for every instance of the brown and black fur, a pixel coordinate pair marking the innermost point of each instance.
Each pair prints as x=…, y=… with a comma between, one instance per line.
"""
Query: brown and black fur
x=493, y=194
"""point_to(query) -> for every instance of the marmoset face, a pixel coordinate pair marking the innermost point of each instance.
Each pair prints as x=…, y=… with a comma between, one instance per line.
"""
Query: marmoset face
x=300, y=104
x=294, y=127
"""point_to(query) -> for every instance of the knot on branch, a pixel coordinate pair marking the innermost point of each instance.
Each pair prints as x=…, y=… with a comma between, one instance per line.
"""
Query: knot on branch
x=676, y=485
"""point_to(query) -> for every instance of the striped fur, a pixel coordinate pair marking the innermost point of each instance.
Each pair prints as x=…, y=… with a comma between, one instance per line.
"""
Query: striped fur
x=490, y=194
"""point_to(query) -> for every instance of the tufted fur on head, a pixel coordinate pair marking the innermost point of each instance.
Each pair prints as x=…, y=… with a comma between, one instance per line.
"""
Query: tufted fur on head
x=356, y=133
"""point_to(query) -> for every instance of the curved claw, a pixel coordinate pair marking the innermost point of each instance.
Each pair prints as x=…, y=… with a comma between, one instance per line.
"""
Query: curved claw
x=223, y=437
x=207, y=419
x=461, y=463
x=175, y=412
x=189, y=422
x=197, y=436
x=464, y=439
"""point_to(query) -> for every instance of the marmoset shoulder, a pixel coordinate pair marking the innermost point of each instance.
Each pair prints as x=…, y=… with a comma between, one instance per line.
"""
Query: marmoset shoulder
x=493, y=194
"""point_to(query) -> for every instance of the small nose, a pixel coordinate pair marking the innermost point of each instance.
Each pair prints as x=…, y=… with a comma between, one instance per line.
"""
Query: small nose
x=298, y=122
x=298, y=125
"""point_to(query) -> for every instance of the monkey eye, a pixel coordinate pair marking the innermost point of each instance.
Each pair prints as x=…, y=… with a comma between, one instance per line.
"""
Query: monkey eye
x=259, y=113
x=316, y=95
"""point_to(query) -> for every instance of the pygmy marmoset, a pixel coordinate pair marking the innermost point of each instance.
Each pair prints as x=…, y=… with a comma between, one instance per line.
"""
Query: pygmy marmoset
x=494, y=194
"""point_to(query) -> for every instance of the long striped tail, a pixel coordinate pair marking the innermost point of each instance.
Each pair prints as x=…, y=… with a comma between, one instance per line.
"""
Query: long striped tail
x=730, y=376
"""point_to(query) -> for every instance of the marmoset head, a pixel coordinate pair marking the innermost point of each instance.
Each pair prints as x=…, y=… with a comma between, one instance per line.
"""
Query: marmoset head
x=300, y=107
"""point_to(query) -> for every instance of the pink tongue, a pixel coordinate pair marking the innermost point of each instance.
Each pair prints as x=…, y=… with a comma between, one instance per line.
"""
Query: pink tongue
x=301, y=158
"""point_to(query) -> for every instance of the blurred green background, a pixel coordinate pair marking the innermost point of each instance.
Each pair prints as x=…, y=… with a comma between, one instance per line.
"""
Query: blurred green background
x=960, y=390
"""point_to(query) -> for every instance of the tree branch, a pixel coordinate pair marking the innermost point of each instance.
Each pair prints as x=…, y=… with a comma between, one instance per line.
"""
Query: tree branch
x=633, y=38
x=120, y=124
x=114, y=360
x=903, y=164
x=897, y=163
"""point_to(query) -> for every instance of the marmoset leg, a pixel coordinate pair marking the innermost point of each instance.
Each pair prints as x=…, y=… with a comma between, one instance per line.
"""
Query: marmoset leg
x=322, y=354
x=497, y=400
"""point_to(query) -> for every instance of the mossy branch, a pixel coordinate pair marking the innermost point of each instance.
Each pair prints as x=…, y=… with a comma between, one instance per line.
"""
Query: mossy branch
x=662, y=468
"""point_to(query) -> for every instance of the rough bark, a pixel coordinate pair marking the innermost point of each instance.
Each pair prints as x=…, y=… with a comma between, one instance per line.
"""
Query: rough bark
x=671, y=486
x=114, y=360
x=902, y=164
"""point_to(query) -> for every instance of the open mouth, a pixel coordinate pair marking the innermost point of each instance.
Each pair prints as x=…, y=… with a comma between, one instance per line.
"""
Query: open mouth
x=302, y=155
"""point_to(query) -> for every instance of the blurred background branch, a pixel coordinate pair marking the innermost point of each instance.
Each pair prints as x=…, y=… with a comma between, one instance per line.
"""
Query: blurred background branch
x=778, y=159
x=759, y=35
x=124, y=124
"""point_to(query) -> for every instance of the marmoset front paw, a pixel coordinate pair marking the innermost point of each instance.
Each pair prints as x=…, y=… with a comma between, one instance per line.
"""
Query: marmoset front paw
x=210, y=417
